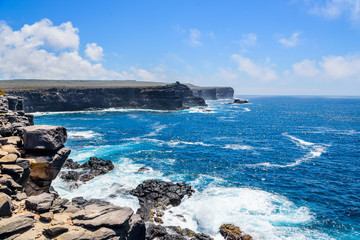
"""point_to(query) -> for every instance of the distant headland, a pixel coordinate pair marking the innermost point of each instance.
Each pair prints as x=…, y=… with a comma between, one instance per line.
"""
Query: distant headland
x=77, y=95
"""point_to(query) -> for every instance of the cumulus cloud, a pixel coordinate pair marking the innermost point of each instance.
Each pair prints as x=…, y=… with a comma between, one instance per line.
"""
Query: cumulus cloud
x=264, y=73
x=94, y=52
x=306, y=68
x=289, y=42
x=330, y=68
x=194, y=37
x=45, y=51
x=332, y=9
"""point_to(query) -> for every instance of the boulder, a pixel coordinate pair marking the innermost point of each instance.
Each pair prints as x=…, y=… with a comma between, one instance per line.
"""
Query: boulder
x=7, y=180
x=14, y=140
x=9, y=158
x=231, y=232
x=6, y=205
x=46, y=217
x=100, y=234
x=11, y=169
x=93, y=216
x=10, y=149
x=44, y=137
x=15, y=223
x=87, y=171
x=55, y=231
x=5, y=189
x=3, y=153
x=137, y=229
x=154, y=196
x=22, y=162
x=40, y=203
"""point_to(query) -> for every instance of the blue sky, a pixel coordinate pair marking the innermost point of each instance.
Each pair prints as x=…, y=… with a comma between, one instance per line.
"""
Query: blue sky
x=258, y=47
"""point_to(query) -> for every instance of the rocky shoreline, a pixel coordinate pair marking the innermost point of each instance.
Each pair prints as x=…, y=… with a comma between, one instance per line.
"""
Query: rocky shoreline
x=31, y=156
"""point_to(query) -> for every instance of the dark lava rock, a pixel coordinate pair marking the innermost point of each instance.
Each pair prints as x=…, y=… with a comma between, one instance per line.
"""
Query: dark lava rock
x=238, y=101
x=155, y=195
x=155, y=231
x=6, y=205
x=87, y=171
x=70, y=164
x=70, y=176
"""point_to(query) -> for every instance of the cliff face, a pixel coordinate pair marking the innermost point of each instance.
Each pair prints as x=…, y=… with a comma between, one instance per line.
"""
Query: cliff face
x=212, y=93
x=169, y=97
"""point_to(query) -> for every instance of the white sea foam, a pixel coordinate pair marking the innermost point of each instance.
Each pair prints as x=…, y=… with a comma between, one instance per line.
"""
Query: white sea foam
x=262, y=214
x=314, y=151
x=247, y=110
x=238, y=147
x=117, y=182
x=83, y=134
x=157, y=128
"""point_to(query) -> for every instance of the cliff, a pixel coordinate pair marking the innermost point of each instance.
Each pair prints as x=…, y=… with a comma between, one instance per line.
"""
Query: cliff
x=212, y=93
x=54, y=96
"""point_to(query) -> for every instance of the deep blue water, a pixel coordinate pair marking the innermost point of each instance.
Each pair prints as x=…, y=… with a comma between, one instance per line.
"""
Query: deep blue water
x=280, y=167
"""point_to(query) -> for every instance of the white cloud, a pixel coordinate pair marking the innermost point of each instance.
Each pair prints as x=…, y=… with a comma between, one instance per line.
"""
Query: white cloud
x=245, y=65
x=332, y=9
x=94, y=52
x=289, y=42
x=194, y=37
x=330, y=68
x=247, y=40
x=306, y=68
x=45, y=51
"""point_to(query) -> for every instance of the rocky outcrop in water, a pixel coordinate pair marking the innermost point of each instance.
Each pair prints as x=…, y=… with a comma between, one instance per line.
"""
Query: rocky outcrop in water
x=86, y=171
x=155, y=196
x=168, y=97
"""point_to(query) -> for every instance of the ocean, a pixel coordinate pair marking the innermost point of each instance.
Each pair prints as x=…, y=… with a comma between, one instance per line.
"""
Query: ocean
x=279, y=167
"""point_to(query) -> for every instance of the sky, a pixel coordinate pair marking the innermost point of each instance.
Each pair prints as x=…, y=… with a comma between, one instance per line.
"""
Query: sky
x=282, y=47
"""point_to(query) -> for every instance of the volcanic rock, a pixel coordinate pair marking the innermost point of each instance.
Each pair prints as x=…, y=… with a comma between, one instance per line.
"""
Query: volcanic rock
x=44, y=137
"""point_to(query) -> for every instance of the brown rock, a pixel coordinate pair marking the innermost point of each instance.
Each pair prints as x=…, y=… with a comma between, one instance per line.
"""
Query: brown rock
x=14, y=140
x=232, y=232
x=10, y=149
x=11, y=169
x=9, y=158
x=46, y=217
x=3, y=153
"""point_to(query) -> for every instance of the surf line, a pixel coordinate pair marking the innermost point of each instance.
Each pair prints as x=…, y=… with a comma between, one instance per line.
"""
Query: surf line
x=315, y=150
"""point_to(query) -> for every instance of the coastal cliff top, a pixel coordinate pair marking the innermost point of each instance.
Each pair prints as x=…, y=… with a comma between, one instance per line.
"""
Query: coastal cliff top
x=46, y=84
x=26, y=84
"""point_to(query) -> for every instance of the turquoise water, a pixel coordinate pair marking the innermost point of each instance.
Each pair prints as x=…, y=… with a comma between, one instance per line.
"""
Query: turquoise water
x=280, y=167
